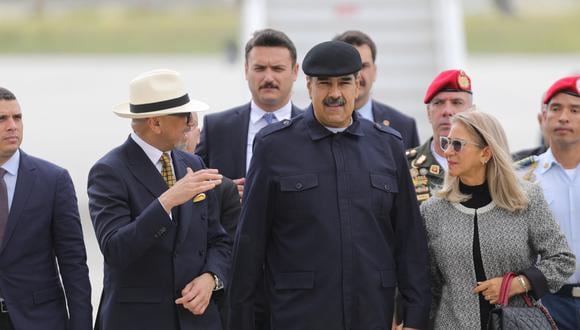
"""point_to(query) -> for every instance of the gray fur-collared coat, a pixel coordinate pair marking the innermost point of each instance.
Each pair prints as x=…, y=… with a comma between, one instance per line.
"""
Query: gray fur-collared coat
x=509, y=241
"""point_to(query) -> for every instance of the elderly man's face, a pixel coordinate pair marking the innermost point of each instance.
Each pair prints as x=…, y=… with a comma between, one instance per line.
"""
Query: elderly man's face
x=333, y=99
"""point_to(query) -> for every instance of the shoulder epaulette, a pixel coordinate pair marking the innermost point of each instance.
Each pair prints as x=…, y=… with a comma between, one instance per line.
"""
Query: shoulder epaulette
x=388, y=129
x=528, y=164
x=274, y=127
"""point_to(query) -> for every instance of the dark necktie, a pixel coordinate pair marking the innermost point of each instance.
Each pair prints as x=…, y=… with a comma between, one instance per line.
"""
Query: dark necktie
x=3, y=204
x=166, y=170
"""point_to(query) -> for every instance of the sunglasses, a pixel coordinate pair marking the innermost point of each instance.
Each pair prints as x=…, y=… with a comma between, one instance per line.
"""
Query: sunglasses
x=183, y=115
x=456, y=144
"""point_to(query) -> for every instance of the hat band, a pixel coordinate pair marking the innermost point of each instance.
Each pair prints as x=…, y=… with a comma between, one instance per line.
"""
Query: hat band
x=162, y=105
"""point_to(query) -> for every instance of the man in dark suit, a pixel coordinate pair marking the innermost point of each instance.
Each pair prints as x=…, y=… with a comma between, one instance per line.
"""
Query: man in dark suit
x=41, y=240
x=227, y=137
x=152, y=209
x=369, y=108
x=332, y=216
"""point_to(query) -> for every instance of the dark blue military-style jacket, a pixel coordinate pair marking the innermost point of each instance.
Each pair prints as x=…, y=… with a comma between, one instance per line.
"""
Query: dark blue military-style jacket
x=333, y=221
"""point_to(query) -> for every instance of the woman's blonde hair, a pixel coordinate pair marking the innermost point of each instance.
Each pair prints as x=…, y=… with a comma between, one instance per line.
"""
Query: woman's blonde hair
x=504, y=185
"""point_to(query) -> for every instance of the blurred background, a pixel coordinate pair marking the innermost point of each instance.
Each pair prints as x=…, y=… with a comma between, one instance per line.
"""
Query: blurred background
x=70, y=61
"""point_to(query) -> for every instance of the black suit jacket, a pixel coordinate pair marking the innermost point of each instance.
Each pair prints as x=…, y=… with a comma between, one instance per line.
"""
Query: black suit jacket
x=149, y=258
x=224, y=138
x=399, y=121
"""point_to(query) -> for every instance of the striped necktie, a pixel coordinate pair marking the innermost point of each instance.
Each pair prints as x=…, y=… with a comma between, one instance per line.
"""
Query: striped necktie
x=166, y=170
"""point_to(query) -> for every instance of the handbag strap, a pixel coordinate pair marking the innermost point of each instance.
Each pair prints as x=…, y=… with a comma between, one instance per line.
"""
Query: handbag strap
x=505, y=288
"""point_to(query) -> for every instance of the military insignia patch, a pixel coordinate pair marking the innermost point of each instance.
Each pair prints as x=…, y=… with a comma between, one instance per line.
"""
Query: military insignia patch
x=435, y=169
x=421, y=189
x=463, y=80
x=422, y=197
x=421, y=160
x=414, y=172
x=423, y=171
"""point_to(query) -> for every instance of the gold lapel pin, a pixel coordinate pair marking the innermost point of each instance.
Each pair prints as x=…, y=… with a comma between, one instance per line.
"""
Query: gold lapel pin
x=199, y=198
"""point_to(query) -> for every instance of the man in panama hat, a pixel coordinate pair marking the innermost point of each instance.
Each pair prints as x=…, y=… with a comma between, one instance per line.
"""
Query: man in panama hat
x=151, y=206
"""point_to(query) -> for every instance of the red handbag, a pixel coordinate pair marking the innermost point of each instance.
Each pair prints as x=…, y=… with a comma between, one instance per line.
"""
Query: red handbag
x=534, y=316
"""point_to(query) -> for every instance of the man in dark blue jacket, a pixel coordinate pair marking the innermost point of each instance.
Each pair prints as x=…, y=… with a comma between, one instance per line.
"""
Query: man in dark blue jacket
x=44, y=279
x=371, y=109
x=332, y=216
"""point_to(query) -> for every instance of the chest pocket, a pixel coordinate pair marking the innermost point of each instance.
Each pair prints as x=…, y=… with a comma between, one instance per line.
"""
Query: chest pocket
x=297, y=183
x=386, y=183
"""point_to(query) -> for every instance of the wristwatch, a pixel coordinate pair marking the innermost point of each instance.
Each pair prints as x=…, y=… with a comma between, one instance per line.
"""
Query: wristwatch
x=218, y=283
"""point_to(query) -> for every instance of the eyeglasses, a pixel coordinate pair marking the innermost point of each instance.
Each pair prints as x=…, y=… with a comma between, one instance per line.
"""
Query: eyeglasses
x=183, y=115
x=457, y=144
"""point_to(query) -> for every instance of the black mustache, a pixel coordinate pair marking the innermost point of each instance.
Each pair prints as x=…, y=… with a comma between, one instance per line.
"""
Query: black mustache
x=334, y=102
x=268, y=85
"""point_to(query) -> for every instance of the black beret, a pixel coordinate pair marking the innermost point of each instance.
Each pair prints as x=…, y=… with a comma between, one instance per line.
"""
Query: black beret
x=331, y=59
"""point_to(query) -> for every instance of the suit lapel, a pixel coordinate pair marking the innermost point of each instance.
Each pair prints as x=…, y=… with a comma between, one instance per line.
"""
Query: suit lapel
x=185, y=210
x=243, y=118
x=143, y=170
x=24, y=184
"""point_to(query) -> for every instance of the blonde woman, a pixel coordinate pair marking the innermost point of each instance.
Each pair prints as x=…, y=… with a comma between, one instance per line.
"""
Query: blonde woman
x=485, y=222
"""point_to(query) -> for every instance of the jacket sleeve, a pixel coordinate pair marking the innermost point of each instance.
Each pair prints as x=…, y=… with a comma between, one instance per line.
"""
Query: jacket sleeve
x=410, y=250
x=219, y=246
x=557, y=262
x=250, y=242
x=121, y=238
x=71, y=254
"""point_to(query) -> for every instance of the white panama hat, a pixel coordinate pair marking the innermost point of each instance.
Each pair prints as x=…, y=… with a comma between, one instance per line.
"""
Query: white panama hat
x=157, y=93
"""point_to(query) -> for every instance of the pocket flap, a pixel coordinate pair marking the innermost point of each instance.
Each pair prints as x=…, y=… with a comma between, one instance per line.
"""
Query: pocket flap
x=388, y=278
x=294, y=280
x=139, y=295
x=384, y=182
x=298, y=182
x=46, y=295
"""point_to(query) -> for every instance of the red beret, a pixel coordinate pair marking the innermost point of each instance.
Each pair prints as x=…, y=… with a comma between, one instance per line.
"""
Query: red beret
x=448, y=81
x=568, y=85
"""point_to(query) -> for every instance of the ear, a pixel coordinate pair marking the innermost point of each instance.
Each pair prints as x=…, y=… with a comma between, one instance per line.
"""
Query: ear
x=295, y=71
x=486, y=154
x=428, y=113
x=309, y=86
x=154, y=124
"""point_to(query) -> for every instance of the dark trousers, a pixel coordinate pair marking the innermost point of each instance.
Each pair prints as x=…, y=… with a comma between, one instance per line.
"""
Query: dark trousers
x=565, y=310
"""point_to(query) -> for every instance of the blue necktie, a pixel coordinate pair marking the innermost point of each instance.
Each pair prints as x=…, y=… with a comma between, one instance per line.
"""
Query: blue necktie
x=270, y=118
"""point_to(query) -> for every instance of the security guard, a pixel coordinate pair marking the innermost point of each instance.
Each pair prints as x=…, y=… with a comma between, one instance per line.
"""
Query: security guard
x=449, y=93
x=557, y=171
x=332, y=216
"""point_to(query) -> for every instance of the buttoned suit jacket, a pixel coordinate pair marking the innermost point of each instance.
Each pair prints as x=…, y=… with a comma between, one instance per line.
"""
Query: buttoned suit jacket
x=43, y=238
x=399, y=121
x=149, y=257
x=224, y=139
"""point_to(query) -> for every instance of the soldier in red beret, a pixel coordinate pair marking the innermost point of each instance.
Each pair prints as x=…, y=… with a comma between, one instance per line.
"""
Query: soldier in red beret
x=557, y=171
x=449, y=93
